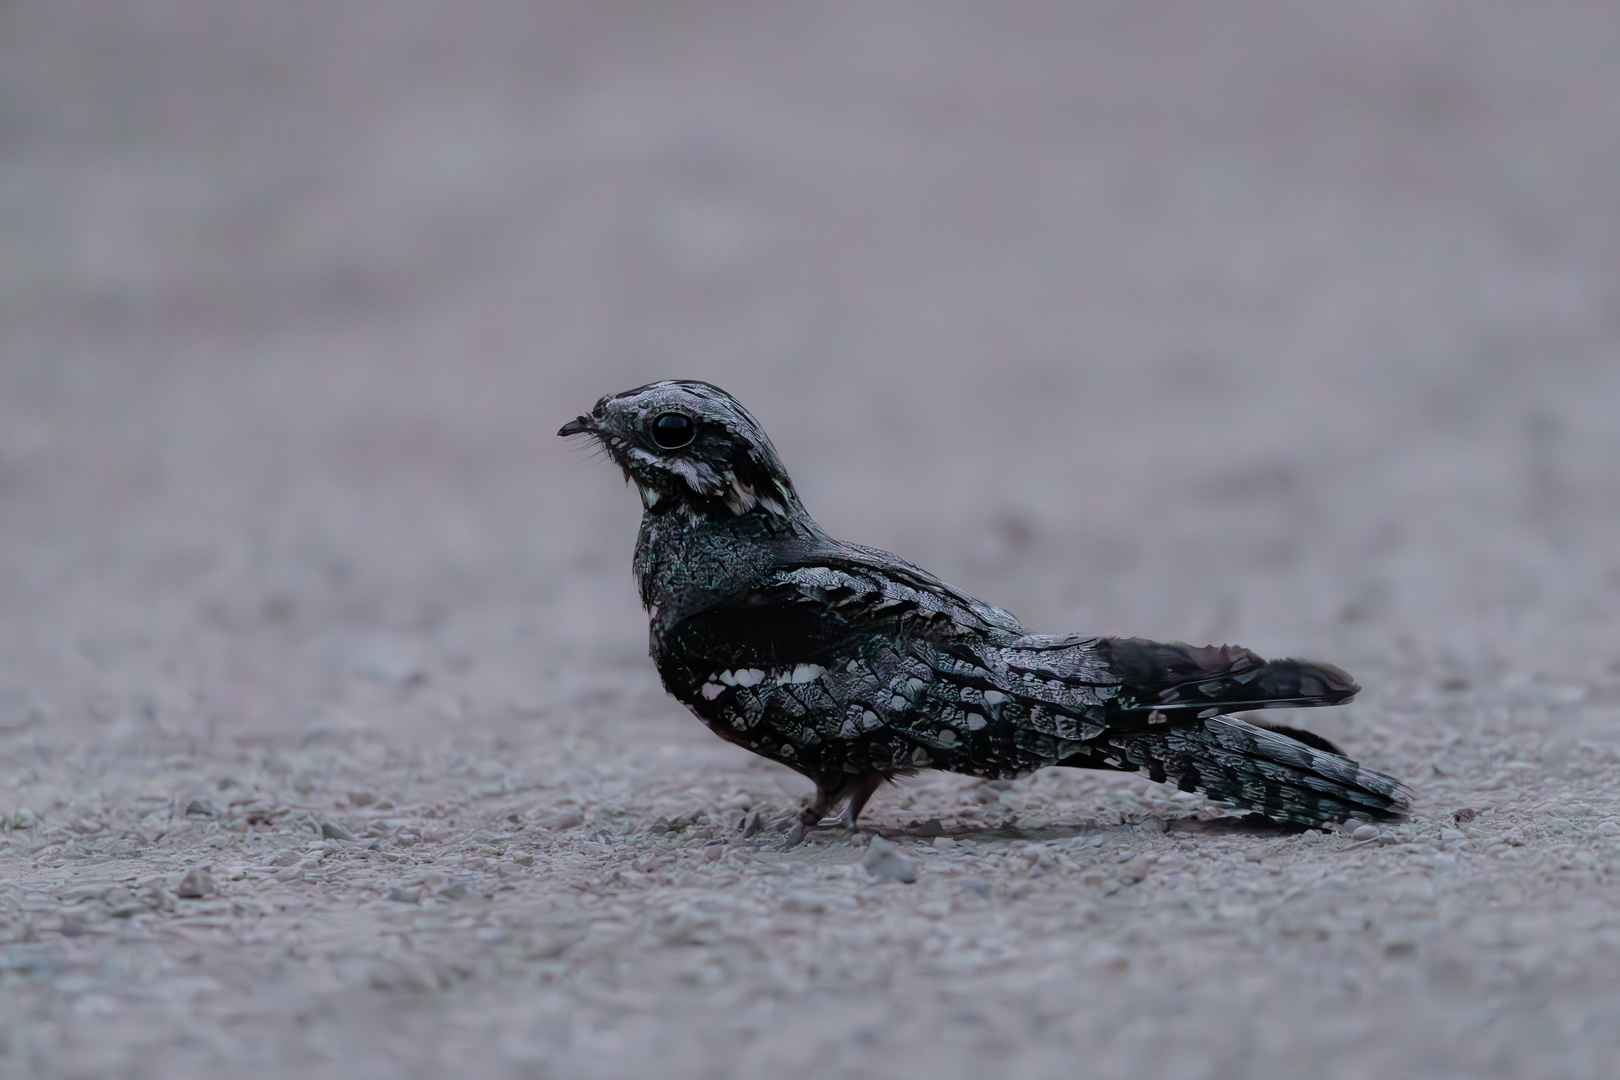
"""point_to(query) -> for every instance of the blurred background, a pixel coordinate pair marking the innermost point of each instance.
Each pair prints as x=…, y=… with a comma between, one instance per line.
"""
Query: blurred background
x=1294, y=325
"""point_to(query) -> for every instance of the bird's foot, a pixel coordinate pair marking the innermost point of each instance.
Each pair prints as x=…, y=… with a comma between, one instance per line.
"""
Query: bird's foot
x=844, y=819
x=781, y=834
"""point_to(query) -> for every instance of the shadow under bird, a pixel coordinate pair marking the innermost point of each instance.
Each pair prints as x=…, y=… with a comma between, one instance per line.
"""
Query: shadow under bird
x=853, y=666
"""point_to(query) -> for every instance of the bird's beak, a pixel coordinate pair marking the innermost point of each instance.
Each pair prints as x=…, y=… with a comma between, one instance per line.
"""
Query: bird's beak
x=578, y=426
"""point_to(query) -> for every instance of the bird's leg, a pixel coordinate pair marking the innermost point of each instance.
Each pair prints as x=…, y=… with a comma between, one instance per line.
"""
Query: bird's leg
x=812, y=815
x=859, y=792
x=828, y=796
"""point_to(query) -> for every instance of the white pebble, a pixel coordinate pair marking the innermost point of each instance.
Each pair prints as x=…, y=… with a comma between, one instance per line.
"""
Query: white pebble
x=885, y=863
x=196, y=885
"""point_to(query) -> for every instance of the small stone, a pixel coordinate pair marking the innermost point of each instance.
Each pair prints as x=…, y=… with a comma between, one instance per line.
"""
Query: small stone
x=804, y=903
x=1364, y=832
x=24, y=818
x=197, y=884
x=362, y=797
x=1466, y=814
x=944, y=843
x=713, y=850
x=1255, y=854
x=454, y=891
x=1135, y=870
x=73, y=926
x=291, y=873
x=1452, y=836
x=885, y=862
x=1105, y=957
x=977, y=888
x=202, y=806
x=331, y=830
x=405, y=896
x=523, y=859
x=122, y=904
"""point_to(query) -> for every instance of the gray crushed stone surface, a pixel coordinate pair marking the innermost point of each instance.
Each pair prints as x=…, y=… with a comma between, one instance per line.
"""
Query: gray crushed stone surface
x=328, y=743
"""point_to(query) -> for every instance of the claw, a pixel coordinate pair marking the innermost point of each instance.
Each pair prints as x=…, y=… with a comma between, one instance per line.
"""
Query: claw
x=795, y=836
x=842, y=820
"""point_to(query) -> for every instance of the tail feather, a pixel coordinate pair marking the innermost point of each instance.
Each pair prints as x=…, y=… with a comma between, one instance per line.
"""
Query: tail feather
x=1241, y=765
x=1176, y=678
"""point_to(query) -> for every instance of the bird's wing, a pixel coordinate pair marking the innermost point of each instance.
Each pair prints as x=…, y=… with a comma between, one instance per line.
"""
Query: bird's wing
x=830, y=609
x=930, y=655
x=861, y=667
x=1175, y=680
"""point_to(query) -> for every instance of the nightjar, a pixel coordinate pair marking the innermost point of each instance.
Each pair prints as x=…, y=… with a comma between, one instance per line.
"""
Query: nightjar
x=853, y=667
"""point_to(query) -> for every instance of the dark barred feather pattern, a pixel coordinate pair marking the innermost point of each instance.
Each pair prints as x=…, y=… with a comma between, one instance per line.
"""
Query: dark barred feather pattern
x=1246, y=767
x=853, y=666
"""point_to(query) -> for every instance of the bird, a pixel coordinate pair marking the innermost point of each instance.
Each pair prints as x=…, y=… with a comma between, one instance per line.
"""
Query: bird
x=855, y=668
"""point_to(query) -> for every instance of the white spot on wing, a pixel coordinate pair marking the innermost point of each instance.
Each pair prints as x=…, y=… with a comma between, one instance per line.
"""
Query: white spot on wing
x=807, y=673
x=947, y=736
x=975, y=721
x=748, y=677
x=711, y=691
x=994, y=697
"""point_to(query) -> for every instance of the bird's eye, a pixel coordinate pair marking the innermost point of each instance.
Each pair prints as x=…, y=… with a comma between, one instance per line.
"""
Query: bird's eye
x=672, y=430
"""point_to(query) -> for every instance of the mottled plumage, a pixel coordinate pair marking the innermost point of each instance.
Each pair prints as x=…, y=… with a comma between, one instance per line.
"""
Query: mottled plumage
x=852, y=666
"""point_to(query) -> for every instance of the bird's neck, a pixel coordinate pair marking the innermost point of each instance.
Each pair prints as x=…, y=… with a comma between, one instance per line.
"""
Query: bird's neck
x=686, y=561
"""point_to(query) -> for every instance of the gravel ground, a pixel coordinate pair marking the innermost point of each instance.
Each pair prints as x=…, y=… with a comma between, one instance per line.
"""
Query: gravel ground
x=328, y=743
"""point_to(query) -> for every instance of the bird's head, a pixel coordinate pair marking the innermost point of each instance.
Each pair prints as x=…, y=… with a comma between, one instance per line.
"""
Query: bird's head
x=689, y=445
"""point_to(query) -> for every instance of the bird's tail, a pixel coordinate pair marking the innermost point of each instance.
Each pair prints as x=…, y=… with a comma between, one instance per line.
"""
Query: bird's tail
x=1247, y=767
